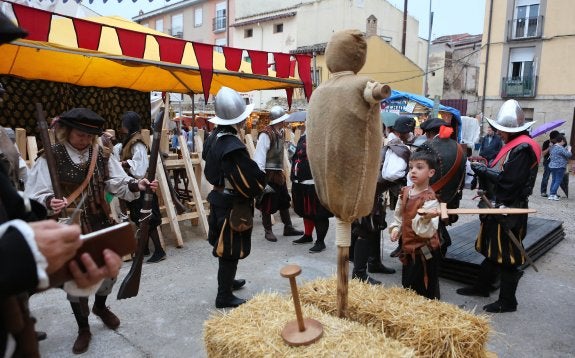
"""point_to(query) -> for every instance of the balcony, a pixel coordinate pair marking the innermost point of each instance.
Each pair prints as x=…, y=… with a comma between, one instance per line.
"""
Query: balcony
x=525, y=29
x=177, y=32
x=219, y=24
x=518, y=87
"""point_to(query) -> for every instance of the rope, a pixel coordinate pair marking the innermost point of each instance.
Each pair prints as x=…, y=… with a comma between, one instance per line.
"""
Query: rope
x=342, y=233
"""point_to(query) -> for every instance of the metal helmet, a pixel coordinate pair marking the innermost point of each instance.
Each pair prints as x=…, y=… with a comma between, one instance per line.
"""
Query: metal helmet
x=510, y=118
x=230, y=107
x=277, y=115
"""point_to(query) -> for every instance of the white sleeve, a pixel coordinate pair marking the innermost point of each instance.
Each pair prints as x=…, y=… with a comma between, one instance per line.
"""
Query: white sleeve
x=28, y=234
x=117, y=184
x=117, y=151
x=397, y=219
x=72, y=289
x=139, y=162
x=38, y=185
x=424, y=227
x=393, y=166
x=261, y=151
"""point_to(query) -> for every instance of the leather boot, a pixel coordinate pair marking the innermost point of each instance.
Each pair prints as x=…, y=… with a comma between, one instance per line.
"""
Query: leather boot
x=108, y=317
x=238, y=284
x=226, y=273
x=289, y=230
x=360, y=262
x=81, y=312
x=267, y=224
x=159, y=253
x=82, y=342
x=374, y=264
x=507, y=301
x=482, y=284
x=377, y=267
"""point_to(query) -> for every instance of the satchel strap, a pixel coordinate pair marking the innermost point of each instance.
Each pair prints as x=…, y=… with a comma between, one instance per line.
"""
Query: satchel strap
x=438, y=185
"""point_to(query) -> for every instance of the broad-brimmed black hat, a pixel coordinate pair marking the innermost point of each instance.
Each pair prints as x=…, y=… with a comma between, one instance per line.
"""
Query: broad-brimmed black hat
x=433, y=123
x=9, y=31
x=83, y=119
x=404, y=124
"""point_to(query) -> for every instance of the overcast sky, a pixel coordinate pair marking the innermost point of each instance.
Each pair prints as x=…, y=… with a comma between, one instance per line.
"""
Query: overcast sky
x=450, y=16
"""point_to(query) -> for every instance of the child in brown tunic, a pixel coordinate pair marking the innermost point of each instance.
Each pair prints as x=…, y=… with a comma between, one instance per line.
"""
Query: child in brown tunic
x=420, y=244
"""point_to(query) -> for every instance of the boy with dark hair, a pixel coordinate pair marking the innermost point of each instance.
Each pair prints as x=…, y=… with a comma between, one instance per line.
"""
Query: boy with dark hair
x=420, y=244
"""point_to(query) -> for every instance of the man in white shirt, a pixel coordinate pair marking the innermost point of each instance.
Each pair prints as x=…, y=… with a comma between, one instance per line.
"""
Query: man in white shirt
x=269, y=156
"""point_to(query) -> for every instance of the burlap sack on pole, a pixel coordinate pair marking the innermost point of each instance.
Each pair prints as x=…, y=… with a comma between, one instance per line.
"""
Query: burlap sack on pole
x=344, y=133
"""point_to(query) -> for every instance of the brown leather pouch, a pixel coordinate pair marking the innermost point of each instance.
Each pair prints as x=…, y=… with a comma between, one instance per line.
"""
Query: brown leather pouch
x=118, y=238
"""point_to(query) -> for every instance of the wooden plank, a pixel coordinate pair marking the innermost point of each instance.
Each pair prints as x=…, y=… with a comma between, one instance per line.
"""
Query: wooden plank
x=146, y=137
x=20, y=134
x=250, y=145
x=32, y=150
x=169, y=204
x=462, y=262
x=287, y=169
x=164, y=141
x=195, y=188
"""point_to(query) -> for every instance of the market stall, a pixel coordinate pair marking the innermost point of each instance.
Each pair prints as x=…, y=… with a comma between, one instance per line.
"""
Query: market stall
x=404, y=103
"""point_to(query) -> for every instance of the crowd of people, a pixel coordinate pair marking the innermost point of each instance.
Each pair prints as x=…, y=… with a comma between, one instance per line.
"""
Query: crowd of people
x=414, y=180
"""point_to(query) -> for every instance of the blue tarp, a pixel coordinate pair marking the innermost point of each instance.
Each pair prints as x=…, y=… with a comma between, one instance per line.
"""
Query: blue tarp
x=426, y=102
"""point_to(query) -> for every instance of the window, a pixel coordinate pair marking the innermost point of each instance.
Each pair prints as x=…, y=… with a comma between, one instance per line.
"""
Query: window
x=198, y=17
x=521, y=79
x=528, y=113
x=220, y=42
x=220, y=19
x=178, y=25
x=248, y=33
x=278, y=28
x=526, y=20
x=316, y=76
x=521, y=63
x=160, y=25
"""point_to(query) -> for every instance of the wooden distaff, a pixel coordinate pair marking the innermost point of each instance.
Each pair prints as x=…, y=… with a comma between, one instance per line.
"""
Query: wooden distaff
x=48, y=155
x=131, y=284
x=444, y=212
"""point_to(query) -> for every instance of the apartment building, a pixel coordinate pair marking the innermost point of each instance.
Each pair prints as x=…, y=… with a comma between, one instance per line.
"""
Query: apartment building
x=297, y=26
x=285, y=26
x=454, y=70
x=528, y=57
x=204, y=21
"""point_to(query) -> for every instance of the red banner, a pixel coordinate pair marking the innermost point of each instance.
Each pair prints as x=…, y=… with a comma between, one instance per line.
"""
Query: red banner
x=36, y=22
x=259, y=62
x=132, y=43
x=205, y=56
x=233, y=58
x=282, y=64
x=171, y=50
x=87, y=34
x=304, y=70
x=289, y=95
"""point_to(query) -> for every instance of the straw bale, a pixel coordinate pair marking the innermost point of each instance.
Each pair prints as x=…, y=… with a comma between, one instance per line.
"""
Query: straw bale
x=254, y=330
x=433, y=328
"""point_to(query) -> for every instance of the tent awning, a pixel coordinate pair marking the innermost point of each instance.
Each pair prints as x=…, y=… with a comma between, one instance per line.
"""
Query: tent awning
x=426, y=102
x=60, y=59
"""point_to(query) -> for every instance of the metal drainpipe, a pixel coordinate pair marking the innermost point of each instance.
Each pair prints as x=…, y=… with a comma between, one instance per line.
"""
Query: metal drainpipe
x=403, y=39
x=486, y=64
x=227, y=22
x=315, y=74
